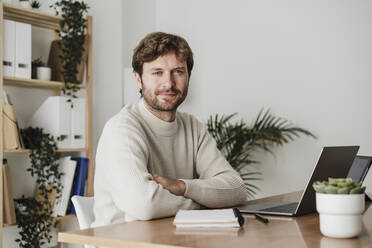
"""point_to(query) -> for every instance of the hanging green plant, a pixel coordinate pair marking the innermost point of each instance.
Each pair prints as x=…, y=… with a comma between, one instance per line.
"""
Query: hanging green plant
x=238, y=141
x=34, y=214
x=73, y=30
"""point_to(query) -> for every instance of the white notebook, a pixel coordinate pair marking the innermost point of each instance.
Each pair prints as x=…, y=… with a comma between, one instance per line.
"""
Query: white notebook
x=208, y=218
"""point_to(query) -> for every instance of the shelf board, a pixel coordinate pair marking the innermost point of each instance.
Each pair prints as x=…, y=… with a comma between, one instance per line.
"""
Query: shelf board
x=59, y=218
x=33, y=17
x=35, y=83
x=8, y=225
x=59, y=150
x=69, y=216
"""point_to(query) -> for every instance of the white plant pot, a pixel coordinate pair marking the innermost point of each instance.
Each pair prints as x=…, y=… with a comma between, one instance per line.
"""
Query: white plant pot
x=44, y=73
x=25, y=4
x=340, y=215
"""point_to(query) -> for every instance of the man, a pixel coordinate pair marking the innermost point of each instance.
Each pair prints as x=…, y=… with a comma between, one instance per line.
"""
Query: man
x=152, y=160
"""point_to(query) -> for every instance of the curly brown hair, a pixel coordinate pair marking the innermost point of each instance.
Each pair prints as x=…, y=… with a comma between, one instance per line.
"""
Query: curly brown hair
x=157, y=44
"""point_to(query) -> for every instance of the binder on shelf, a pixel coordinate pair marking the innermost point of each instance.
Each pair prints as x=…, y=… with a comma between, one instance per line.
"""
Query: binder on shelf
x=23, y=50
x=78, y=123
x=80, y=179
x=67, y=167
x=11, y=135
x=9, y=37
x=56, y=117
x=8, y=201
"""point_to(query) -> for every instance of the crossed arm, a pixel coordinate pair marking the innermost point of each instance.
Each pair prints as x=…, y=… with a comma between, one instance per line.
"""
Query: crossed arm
x=217, y=185
x=174, y=186
x=144, y=196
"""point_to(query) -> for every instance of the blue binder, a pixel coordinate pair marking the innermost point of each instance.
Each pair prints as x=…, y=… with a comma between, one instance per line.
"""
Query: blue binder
x=80, y=179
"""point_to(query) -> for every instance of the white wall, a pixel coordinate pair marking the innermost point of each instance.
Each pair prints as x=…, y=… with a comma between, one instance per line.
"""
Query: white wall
x=309, y=61
x=306, y=60
x=107, y=61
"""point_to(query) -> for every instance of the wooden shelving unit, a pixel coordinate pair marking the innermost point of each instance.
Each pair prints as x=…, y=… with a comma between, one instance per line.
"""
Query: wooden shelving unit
x=59, y=150
x=70, y=216
x=43, y=20
x=35, y=18
x=35, y=83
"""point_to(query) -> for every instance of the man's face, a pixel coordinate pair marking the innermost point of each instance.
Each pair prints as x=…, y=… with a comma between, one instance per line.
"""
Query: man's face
x=164, y=83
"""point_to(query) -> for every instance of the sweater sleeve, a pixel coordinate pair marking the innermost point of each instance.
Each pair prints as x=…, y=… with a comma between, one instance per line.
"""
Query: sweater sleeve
x=218, y=184
x=124, y=154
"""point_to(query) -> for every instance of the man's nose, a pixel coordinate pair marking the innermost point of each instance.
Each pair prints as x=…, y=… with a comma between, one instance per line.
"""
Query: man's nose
x=168, y=80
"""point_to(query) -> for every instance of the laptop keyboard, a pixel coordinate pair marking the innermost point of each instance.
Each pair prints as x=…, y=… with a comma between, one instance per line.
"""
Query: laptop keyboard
x=287, y=208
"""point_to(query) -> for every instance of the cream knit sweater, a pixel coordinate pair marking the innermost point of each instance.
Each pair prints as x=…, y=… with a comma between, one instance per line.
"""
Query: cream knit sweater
x=135, y=144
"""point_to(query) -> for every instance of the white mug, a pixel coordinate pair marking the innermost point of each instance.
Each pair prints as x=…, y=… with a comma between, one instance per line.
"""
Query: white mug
x=44, y=73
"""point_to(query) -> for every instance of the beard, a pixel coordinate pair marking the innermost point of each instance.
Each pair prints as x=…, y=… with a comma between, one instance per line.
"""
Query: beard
x=164, y=105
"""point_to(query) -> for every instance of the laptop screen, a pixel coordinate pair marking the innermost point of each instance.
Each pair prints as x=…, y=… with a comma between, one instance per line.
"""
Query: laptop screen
x=359, y=169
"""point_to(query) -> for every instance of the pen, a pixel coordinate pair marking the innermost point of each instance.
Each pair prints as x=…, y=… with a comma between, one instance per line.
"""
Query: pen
x=261, y=218
x=239, y=216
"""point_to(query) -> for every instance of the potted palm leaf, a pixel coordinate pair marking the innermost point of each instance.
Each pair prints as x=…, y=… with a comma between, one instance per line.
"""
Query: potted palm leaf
x=238, y=141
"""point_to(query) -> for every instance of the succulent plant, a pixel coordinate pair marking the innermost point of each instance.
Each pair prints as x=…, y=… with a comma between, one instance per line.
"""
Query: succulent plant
x=339, y=186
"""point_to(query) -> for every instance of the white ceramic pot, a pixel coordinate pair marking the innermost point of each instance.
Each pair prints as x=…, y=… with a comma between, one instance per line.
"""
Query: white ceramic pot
x=25, y=4
x=340, y=215
x=43, y=73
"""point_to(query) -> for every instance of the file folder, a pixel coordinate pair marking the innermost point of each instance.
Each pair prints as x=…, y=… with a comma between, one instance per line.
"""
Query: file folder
x=57, y=117
x=11, y=139
x=80, y=179
x=8, y=201
x=67, y=167
x=9, y=37
x=78, y=123
x=22, y=50
x=54, y=116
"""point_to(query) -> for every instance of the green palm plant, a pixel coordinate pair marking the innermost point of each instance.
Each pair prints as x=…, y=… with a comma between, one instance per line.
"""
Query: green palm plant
x=238, y=141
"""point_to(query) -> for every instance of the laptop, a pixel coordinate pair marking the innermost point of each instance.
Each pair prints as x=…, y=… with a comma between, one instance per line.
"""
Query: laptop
x=359, y=169
x=332, y=162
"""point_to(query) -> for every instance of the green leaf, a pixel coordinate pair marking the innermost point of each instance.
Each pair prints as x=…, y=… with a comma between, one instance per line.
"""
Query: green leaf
x=238, y=141
x=33, y=217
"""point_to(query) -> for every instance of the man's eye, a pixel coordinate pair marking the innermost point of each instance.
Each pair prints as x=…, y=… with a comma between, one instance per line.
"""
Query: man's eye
x=179, y=71
x=156, y=73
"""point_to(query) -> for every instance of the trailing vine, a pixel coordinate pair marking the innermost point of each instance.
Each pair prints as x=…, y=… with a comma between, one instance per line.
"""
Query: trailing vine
x=34, y=214
x=73, y=30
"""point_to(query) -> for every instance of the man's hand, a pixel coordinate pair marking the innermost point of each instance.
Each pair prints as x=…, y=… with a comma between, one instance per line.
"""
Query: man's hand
x=176, y=187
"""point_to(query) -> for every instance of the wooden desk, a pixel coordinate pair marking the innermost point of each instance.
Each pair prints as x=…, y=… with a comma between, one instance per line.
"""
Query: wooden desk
x=279, y=232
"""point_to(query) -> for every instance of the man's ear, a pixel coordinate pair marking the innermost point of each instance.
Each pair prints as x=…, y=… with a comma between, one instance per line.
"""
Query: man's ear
x=138, y=80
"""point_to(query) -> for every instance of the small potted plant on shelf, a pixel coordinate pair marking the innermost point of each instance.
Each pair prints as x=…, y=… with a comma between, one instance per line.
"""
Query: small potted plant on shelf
x=340, y=204
x=39, y=70
x=35, y=4
x=35, y=64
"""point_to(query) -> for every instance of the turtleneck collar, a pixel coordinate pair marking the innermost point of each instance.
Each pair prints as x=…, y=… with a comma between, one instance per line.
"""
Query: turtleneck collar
x=159, y=126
